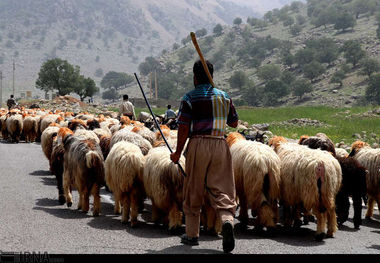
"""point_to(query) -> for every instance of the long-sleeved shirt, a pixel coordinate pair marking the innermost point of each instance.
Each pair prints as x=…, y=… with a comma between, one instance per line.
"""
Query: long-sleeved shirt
x=127, y=108
x=207, y=110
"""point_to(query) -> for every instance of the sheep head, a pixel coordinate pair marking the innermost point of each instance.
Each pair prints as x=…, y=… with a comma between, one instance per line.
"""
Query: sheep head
x=356, y=146
x=233, y=137
x=276, y=141
x=302, y=138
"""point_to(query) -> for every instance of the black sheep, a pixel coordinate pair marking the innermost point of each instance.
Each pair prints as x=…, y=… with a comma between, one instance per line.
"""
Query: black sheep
x=354, y=185
x=320, y=141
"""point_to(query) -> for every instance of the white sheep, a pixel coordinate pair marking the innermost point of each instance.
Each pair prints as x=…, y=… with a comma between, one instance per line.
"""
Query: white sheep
x=257, y=180
x=163, y=183
x=123, y=174
x=310, y=177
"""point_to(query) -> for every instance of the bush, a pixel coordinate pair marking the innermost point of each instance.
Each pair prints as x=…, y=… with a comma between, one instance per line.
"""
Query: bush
x=344, y=21
x=238, y=80
x=370, y=66
x=373, y=90
x=301, y=87
x=313, y=70
x=338, y=77
x=269, y=72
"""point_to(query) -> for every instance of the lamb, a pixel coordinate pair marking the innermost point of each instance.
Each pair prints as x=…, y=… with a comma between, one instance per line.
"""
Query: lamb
x=311, y=178
x=31, y=128
x=257, y=180
x=124, y=177
x=137, y=139
x=46, y=120
x=56, y=161
x=370, y=159
x=47, y=140
x=86, y=135
x=353, y=184
x=145, y=133
x=15, y=125
x=163, y=183
x=83, y=169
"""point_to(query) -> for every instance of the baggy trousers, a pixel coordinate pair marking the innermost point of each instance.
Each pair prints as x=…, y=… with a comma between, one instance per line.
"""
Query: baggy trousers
x=208, y=164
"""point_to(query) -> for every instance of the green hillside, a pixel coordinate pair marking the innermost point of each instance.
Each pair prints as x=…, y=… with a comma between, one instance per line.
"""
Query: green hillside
x=314, y=53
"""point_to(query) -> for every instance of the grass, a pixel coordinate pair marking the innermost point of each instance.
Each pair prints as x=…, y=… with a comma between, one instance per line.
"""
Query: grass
x=340, y=128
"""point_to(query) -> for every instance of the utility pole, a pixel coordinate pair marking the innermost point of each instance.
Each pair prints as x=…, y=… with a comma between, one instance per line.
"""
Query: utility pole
x=150, y=85
x=13, y=85
x=155, y=83
x=1, y=89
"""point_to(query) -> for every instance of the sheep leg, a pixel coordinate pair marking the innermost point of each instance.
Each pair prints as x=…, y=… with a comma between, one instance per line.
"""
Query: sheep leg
x=117, y=209
x=331, y=222
x=126, y=202
x=321, y=225
x=342, y=207
x=155, y=214
x=61, y=194
x=134, y=207
x=86, y=201
x=66, y=188
x=80, y=203
x=243, y=214
x=297, y=216
x=357, y=200
x=175, y=218
x=96, y=195
x=287, y=216
x=371, y=203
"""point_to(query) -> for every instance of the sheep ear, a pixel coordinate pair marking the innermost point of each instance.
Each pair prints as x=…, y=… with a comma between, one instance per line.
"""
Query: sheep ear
x=352, y=153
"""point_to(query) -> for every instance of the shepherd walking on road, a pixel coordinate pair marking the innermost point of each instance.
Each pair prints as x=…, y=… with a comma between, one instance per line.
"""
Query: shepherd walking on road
x=203, y=115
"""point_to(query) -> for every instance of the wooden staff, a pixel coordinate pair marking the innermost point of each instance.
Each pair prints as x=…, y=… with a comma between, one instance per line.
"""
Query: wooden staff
x=195, y=42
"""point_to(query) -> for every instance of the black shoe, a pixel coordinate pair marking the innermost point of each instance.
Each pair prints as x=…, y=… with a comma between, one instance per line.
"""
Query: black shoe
x=228, y=237
x=191, y=241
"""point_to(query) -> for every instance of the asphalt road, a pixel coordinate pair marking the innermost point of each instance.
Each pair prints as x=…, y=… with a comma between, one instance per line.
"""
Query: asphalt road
x=31, y=220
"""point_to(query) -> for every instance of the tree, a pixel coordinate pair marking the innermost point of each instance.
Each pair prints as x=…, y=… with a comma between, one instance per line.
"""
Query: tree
x=237, y=21
x=116, y=80
x=287, y=77
x=149, y=65
x=288, y=21
x=85, y=87
x=295, y=30
x=201, y=32
x=218, y=30
x=269, y=72
x=58, y=74
x=275, y=90
x=110, y=94
x=301, y=87
x=301, y=20
x=370, y=66
x=238, y=80
x=304, y=56
x=326, y=50
x=313, y=70
x=378, y=32
x=99, y=73
x=353, y=52
x=373, y=89
x=360, y=7
x=344, y=21
x=338, y=77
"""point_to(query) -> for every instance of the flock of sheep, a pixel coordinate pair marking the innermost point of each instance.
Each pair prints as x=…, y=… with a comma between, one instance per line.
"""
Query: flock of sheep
x=304, y=178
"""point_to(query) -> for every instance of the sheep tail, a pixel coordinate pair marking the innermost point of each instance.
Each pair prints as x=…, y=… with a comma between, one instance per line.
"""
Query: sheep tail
x=320, y=173
x=92, y=159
